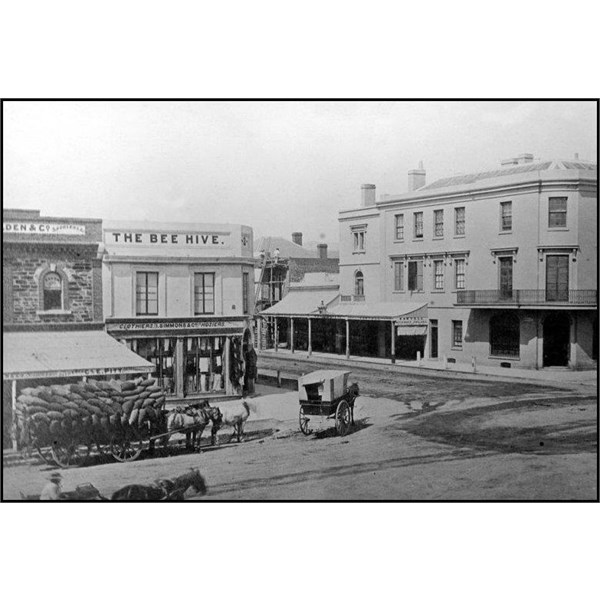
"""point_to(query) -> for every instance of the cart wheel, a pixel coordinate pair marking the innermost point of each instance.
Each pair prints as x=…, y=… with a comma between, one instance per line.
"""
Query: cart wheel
x=304, y=428
x=67, y=455
x=127, y=448
x=342, y=418
x=46, y=455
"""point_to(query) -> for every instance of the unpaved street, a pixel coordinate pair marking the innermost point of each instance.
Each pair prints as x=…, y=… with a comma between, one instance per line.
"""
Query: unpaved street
x=530, y=443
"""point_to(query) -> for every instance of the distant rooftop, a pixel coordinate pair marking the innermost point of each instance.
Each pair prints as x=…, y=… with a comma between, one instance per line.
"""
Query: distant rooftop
x=289, y=249
x=512, y=170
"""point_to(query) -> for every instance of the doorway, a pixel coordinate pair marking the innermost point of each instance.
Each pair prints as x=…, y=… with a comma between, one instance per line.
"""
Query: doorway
x=557, y=335
x=433, y=328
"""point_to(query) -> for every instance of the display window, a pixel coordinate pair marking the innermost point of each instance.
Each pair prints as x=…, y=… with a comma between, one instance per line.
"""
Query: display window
x=203, y=365
x=161, y=352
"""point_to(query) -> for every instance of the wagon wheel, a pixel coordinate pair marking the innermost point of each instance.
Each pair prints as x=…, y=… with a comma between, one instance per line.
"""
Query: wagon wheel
x=303, y=419
x=45, y=454
x=127, y=448
x=342, y=418
x=70, y=454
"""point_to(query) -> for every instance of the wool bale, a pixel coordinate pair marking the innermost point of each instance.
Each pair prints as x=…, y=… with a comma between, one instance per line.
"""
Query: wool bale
x=128, y=407
x=124, y=419
x=129, y=393
x=158, y=394
x=150, y=413
x=54, y=414
x=65, y=425
x=60, y=390
x=154, y=389
x=148, y=382
x=160, y=402
x=96, y=420
x=145, y=394
x=127, y=386
x=104, y=422
x=134, y=416
x=138, y=403
x=76, y=388
x=141, y=417
x=114, y=420
x=148, y=402
x=45, y=394
x=55, y=427
x=40, y=416
x=89, y=386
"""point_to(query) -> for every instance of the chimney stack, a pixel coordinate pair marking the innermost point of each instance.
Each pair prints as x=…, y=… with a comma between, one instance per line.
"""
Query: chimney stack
x=506, y=162
x=322, y=248
x=416, y=178
x=576, y=155
x=524, y=158
x=367, y=192
x=297, y=238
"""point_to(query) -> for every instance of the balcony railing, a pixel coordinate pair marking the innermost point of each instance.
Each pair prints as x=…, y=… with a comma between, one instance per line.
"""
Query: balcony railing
x=527, y=297
x=353, y=298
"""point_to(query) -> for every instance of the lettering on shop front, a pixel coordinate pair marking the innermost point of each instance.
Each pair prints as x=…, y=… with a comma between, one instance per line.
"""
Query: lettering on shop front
x=170, y=325
x=190, y=239
x=44, y=228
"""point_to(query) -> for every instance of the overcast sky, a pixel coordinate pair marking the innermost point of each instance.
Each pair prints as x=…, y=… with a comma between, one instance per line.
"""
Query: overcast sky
x=276, y=166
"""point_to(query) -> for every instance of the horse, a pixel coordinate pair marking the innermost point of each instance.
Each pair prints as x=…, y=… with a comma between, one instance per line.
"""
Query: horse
x=235, y=416
x=193, y=419
x=163, y=489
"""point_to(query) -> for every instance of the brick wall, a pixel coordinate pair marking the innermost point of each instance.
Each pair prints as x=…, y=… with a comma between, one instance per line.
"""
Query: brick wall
x=300, y=266
x=82, y=296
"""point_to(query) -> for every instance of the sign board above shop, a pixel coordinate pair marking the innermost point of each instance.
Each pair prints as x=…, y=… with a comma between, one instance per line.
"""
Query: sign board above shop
x=41, y=228
x=204, y=239
x=184, y=326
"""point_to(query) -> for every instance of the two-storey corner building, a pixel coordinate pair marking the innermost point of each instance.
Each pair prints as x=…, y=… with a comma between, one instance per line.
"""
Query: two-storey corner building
x=181, y=295
x=52, y=317
x=499, y=266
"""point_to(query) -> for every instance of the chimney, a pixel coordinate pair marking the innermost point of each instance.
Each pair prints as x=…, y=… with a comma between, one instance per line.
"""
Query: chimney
x=322, y=248
x=416, y=178
x=367, y=193
x=297, y=238
x=524, y=158
x=576, y=155
x=506, y=162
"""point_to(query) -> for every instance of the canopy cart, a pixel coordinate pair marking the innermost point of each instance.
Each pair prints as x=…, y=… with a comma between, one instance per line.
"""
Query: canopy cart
x=326, y=394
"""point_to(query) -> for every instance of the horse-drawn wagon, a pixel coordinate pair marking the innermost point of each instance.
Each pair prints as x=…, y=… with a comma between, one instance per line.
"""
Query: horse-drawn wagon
x=326, y=394
x=66, y=423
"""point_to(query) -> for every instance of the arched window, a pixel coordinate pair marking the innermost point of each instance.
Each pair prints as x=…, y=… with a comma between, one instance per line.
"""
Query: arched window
x=52, y=291
x=505, y=335
x=359, y=284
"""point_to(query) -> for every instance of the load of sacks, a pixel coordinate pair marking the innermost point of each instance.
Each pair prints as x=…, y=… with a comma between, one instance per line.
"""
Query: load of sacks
x=83, y=411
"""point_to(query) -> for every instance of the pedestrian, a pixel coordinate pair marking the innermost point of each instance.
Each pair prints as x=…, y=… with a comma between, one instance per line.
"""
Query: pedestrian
x=53, y=489
x=276, y=254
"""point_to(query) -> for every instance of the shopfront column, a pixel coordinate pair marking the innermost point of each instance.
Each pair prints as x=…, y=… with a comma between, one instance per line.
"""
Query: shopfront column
x=393, y=342
x=13, y=429
x=227, y=367
x=309, y=336
x=292, y=334
x=179, y=368
x=276, y=335
x=347, y=338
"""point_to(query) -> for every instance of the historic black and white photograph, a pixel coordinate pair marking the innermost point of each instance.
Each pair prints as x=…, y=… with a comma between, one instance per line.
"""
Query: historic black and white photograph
x=307, y=300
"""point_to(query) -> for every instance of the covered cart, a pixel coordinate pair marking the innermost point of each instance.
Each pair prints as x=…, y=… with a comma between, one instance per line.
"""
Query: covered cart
x=326, y=394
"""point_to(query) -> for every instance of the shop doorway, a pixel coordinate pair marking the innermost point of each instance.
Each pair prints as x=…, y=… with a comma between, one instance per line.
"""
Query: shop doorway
x=557, y=333
x=203, y=360
x=433, y=328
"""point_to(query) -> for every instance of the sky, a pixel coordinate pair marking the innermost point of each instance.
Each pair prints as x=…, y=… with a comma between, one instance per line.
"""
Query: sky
x=279, y=167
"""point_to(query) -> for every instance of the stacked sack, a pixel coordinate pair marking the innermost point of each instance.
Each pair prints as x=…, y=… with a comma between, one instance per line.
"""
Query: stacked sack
x=84, y=412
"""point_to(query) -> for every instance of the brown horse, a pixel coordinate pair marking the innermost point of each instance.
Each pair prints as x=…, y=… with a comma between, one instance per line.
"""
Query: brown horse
x=192, y=420
x=163, y=489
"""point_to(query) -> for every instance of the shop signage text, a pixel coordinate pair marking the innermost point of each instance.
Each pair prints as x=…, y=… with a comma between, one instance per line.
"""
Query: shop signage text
x=410, y=321
x=183, y=239
x=44, y=228
x=77, y=372
x=132, y=326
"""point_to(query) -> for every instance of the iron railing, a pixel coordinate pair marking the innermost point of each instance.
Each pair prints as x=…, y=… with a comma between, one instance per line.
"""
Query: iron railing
x=529, y=297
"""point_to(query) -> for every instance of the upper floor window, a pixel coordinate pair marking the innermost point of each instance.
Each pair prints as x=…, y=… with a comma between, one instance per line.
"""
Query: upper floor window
x=204, y=293
x=52, y=291
x=415, y=275
x=438, y=274
x=245, y=292
x=146, y=293
x=459, y=270
x=359, y=284
x=438, y=223
x=399, y=219
x=557, y=212
x=398, y=276
x=359, y=240
x=505, y=216
x=418, y=230
x=459, y=221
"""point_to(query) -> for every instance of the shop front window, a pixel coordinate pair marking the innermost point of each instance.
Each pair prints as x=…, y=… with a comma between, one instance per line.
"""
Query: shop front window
x=160, y=352
x=203, y=360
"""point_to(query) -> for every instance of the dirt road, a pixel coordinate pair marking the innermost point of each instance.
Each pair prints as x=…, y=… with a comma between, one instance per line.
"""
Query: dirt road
x=515, y=443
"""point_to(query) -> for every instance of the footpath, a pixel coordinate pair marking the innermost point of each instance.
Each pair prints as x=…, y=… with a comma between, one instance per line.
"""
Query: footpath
x=581, y=381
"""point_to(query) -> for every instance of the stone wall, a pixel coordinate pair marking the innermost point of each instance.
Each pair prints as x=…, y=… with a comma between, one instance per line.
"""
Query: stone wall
x=299, y=266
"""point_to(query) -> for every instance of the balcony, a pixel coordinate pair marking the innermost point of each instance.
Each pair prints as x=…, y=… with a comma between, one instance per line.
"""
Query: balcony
x=584, y=298
x=352, y=298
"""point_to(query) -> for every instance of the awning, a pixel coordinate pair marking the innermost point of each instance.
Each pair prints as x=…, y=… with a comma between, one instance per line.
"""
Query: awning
x=378, y=311
x=32, y=355
x=298, y=303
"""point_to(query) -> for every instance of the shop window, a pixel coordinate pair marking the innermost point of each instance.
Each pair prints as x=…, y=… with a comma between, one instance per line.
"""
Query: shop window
x=399, y=226
x=52, y=286
x=459, y=221
x=557, y=212
x=505, y=216
x=146, y=293
x=245, y=292
x=504, y=335
x=160, y=352
x=398, y=276
x=418, y=225
x=415, y=275
x=203, y=360
x=459, y=271
x=438, y=274
x=438, y=223
x=204, y=293
x=359, y=284
x=457, y=334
